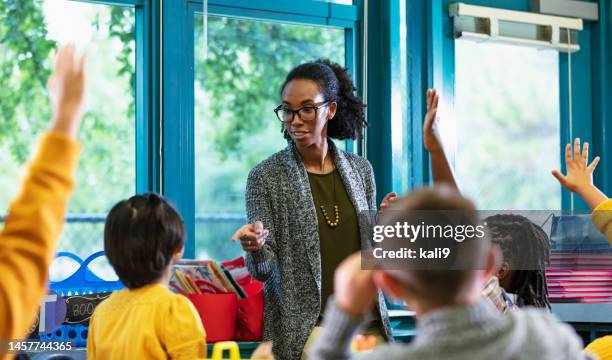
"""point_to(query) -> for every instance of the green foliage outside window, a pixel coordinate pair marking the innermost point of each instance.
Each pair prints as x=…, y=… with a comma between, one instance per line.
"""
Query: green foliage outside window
x=236, y=89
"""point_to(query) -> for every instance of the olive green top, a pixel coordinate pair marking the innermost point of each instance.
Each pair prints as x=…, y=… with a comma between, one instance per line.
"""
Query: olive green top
x=338, y=242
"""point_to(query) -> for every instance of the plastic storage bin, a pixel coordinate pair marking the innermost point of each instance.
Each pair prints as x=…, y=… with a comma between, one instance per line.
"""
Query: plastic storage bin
x=82, y=282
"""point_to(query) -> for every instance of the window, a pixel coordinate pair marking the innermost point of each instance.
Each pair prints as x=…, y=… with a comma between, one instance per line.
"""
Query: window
x=106, y=170
x=508, y=125
x=343, y=2
x=236, y=89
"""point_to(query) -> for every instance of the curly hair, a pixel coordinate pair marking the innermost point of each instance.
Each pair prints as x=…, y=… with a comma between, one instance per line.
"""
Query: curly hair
x=336, y=85
x=523, y=242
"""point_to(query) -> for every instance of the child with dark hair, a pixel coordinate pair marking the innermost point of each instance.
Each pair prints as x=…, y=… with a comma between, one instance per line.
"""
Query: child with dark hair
x=526, y=251
x=143, y=237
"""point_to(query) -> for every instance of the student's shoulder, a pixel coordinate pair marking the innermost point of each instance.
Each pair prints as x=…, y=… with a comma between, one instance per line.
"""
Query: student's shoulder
x=112, y=302
x=530, y=315
x=180, y=313
x=535, y=322
x=157, y=298
x=537, y=319
x=168, y=298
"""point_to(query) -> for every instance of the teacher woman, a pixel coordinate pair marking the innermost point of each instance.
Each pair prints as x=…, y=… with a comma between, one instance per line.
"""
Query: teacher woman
x=303, y=204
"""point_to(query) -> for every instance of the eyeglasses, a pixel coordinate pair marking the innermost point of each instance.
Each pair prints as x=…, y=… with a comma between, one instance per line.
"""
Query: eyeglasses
x=306, y=113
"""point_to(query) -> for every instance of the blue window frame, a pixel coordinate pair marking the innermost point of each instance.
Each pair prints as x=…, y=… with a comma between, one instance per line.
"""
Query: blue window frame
x=431, y=63
x=161, y=58
x=142, y=157
x=178, y=79
x=147, y=91
x=589, y=70
x=148, y=97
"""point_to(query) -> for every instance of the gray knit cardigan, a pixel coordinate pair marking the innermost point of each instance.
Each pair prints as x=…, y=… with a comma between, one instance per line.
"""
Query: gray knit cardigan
x=278, y=194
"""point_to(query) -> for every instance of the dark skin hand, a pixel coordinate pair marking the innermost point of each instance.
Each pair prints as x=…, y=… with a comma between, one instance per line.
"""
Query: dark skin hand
x=440, y=167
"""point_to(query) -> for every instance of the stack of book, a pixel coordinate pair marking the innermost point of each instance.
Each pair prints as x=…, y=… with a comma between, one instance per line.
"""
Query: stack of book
x=565, y=285
x=207, y=277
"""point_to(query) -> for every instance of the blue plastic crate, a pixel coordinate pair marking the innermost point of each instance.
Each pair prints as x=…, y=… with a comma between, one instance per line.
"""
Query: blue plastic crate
x=82, y=282
x=577, y=234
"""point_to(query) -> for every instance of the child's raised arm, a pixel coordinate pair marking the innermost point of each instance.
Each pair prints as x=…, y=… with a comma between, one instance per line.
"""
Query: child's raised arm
x=440, y=167
x=35, y=218
x=579, y=179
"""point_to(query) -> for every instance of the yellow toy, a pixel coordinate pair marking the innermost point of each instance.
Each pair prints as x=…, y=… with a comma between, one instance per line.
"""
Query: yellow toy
x=221, y=347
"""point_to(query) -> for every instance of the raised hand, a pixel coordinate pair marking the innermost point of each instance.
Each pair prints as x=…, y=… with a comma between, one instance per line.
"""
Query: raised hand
x=431, y=134
x=67, y=91
x=579, y=177
x=432, y=141
x=579, y=173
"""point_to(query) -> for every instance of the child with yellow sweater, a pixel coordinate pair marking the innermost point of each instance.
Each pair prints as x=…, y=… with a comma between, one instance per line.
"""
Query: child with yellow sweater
x=35, y=218
x=579, y=179
x=143, y=238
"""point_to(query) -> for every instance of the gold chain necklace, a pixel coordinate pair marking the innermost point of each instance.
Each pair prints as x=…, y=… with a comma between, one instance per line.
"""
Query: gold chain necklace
x=336, y=209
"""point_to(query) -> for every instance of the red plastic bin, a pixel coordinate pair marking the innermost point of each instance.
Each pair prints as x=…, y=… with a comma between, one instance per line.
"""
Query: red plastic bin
x=218, y=314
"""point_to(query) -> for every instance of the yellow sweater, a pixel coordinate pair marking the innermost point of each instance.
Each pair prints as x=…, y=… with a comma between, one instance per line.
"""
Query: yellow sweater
x=146, y=323
x=31, y=229
x=602, y=218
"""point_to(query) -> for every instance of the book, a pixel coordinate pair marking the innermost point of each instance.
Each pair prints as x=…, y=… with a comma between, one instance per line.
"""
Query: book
x=239, y=290
x=204, y=277
x=238, y=269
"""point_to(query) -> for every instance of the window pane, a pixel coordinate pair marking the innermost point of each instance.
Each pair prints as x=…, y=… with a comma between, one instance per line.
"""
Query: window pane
x=507, y=125
x=343, y=2
x=106, y=170
x=236, y=89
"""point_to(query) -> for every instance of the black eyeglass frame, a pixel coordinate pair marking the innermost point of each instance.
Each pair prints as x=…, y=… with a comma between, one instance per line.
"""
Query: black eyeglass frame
x=296, y=111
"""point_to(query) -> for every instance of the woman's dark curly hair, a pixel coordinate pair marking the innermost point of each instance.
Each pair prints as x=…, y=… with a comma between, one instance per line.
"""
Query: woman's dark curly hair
x=526, y=247
x=336, y=85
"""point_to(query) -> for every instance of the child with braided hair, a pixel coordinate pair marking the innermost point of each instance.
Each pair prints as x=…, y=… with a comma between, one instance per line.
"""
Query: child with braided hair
x=513, y=233
x=526, y=250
